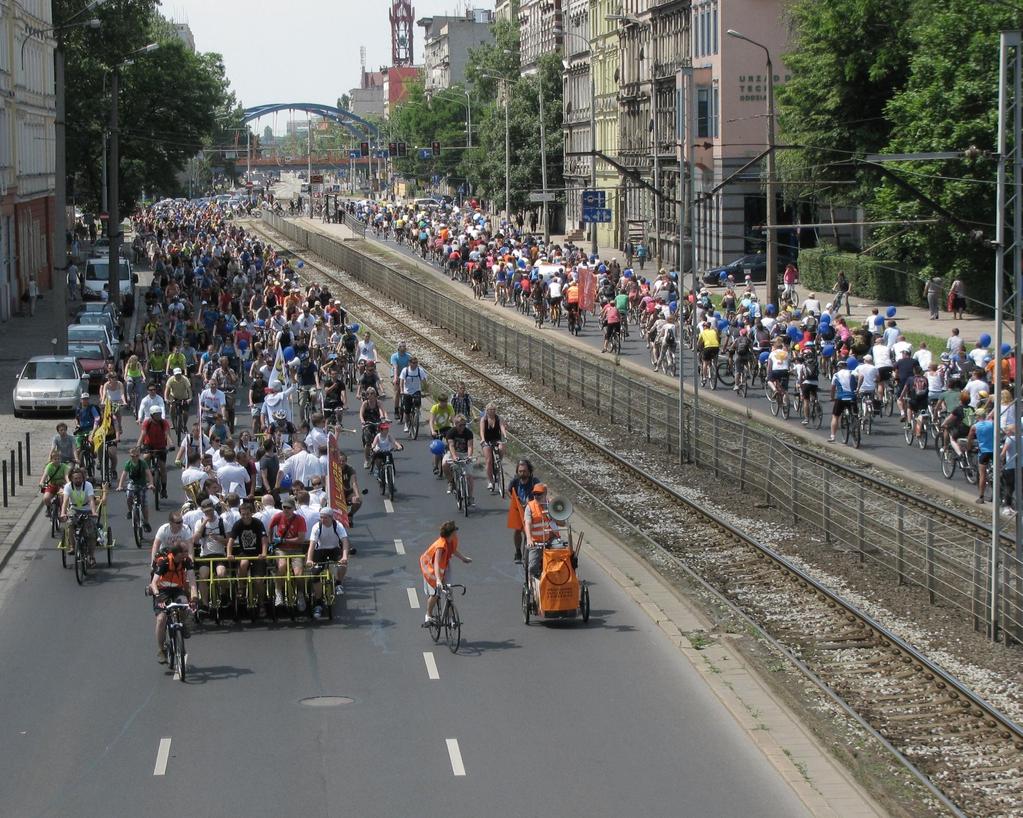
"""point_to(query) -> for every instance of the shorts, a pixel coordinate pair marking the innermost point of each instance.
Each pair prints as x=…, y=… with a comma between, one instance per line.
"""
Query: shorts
x=156, y=455
x=429, y=590
x=368, y=433
x=555, y=301
x=781, y=378
x=883, y=373
x=841, y=405
x=918, y=403
x=985, y=458
x=322, y=555
x=166, y=595
x=257, y=567
x=709, y=353
x=52, y=488
x=808, y=390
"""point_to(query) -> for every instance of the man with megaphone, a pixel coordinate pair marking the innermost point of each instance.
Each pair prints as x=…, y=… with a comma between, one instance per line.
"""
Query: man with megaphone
x=541, y=529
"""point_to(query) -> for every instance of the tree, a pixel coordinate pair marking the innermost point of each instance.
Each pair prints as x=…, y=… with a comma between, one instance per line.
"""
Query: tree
x=420, y=121
x=169, y=100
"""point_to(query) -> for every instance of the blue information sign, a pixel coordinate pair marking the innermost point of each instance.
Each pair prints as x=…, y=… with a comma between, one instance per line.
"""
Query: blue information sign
x=599, y=215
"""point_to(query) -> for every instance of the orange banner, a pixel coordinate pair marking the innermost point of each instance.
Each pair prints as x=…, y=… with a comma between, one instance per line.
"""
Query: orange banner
x=335, y=481
x=587, y=288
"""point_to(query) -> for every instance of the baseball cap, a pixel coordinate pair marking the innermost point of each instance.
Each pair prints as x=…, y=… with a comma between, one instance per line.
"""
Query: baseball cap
x=177, y=370
x=85, y=396
x=326, y=511
x=155, y=410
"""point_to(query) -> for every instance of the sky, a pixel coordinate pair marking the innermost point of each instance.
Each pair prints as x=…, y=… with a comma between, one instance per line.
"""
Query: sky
x=299, y=50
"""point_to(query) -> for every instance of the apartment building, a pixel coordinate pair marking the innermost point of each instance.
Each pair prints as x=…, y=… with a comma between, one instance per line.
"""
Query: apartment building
x=446, y=45
x=606, y=66
x=577, y=101
x=27, y=112
x=538, y=21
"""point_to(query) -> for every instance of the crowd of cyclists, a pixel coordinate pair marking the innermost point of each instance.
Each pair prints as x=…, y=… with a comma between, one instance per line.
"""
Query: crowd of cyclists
x=797, y=352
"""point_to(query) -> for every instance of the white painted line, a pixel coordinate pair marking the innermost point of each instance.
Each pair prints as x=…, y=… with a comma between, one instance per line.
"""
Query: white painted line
x=388, y=506
x=162, y=754
x=399, y=546
x=457, y=767
x=413, y=598
x=431, y=665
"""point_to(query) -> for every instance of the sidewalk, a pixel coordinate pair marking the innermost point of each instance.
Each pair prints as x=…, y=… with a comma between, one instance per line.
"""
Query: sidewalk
x=24, y=337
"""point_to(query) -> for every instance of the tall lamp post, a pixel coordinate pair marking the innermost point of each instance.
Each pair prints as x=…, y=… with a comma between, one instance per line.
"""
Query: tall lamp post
x=772, y=260
x=58, y=238
x=114, y=222
x=507, y=145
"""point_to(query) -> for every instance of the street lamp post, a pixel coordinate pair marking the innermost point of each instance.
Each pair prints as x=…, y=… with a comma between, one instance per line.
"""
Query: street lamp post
x=772, y=261
x=114, y=214
x=593, y=130
x=507, y=145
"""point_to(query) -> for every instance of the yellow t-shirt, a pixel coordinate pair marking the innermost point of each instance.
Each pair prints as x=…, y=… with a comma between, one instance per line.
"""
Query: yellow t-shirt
x=709, y=337
x=443, y=415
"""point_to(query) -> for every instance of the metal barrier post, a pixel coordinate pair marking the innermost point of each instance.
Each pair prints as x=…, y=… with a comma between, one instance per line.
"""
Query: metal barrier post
x=21, y=465
x=825, y=505
x=4, y=463
x=28, y=452
x=646, y=404
x=929, y=556
x=742, y=458
x=860, y=539
x=978, y=588
x=10, y=471
x=792, y=486
x=714, y=445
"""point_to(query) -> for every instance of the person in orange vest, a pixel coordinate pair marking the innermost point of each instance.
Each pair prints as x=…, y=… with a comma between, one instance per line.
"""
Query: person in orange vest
x=435, y=564
x=572, y=300
x=540, y=529
x=520, y=490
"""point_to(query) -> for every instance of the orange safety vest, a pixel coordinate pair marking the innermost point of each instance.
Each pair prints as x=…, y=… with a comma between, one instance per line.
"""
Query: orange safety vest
x=446, y=547
x=572, y=294
x=540, y=523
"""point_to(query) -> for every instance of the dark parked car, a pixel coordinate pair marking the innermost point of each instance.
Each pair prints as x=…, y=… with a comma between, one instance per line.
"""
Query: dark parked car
x=755, y=264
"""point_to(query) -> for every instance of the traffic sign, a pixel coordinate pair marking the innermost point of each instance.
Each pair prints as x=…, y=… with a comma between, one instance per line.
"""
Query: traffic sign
x=425, y=153
x=380, y=153
x=594, y=198
x=540, y=196
x=104, y=216
x=316, y=179
x=598, y=215
x=354, y=154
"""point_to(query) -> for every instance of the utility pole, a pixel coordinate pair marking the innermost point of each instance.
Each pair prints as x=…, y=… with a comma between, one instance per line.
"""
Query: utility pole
x=543, y=163
x=593, y=148
x=507, y=158
x=114, y=211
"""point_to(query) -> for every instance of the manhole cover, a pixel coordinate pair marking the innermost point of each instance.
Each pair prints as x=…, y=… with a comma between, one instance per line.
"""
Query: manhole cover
x=326, y=701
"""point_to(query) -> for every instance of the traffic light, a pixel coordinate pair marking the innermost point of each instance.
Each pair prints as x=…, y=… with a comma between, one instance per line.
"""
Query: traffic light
x=436, y=148
x=364, y=148
x=402, y=150
x=392, y=149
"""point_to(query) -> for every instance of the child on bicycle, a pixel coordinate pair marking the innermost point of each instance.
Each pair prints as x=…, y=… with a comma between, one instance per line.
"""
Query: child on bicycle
x=383, y=448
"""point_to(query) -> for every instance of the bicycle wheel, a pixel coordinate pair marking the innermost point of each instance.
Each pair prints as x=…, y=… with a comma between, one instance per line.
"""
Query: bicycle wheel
x=949, y=461
x=414, y=424
x=499, y=478
x=64, y=549
x=971, y=469
x=390, y=482
x=889, y=401
x=816, y=414
x=786, y=407
x=725, y=373
x=713, y=377
x=452, y=627
x=847, y=423
x=921, y=439
x=584, y=603
x=54, y=521
x=907, y=432
x=80, y=566
x=110, y=546
x=857, y=432
x=435, y=628
x=180, y=668
x=464, y=489
x=157, y=488
x=775, y=405
x=527, y=603
x=136, y=525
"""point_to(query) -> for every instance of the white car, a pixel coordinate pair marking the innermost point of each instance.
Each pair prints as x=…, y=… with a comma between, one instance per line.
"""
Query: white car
x=49, y=383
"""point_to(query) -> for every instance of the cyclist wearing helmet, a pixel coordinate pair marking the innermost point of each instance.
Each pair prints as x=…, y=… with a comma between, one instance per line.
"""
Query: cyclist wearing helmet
x=808, y=379
x=370, y=379
x=383, y=447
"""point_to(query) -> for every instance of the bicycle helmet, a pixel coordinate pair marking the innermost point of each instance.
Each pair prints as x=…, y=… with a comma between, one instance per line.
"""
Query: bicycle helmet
x=280, y=415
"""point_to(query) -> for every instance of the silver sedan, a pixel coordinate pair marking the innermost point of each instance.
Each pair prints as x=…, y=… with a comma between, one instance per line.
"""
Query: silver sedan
x=49, y=383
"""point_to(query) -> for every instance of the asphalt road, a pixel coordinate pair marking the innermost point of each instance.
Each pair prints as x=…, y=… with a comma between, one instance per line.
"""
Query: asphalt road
x=605, y=719
x=886, y=439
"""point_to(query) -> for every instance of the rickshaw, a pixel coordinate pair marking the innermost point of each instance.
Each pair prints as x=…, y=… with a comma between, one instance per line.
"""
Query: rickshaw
x=559, y=594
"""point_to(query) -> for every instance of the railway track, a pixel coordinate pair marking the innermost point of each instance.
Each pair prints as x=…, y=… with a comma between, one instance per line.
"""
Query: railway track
x=959, y=746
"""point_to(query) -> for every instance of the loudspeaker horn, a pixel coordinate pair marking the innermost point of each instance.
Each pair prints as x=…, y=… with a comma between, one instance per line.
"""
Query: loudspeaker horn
x=560, y=509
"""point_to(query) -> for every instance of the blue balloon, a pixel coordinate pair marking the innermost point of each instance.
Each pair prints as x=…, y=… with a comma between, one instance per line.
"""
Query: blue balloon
x=722, y=325
x=764, y=356
x=301, y=264
x=717, y=315
x=853, y=363
x=289, y=353
x=627, y=274
x=1006, y=349
x=243, y=344
x=353, y=328
x=771, y=309
x=828, y=350
x=286, y=481
x=985, y=340
x=794, y=333
x=437, y=447
x=890, y=312
x=825, y=319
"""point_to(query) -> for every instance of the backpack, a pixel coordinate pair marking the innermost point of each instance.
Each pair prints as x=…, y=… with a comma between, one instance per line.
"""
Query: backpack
x=919, y=386
x=811, y=369
x=743, y=345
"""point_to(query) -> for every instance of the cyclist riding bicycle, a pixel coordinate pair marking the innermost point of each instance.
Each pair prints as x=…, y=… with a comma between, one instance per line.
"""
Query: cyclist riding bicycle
x=843, y=393
x=541, y=532
x=53, y=478
x=328, y=542
x=153, y=440
x=808, y=379
x=492, y=435
x=87, y=418
x=247, y=544
x=173, y=576
x=442, y=415
x=412, y=381
x=708, y=344
x=435, y=564
x=139, y=477
x=460, y=447
x=79, y=505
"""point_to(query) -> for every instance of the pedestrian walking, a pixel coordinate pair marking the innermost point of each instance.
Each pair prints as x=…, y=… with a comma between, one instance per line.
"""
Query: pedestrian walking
x=641, y=254
x=932, y=292
x=956, y=299
x=33, y=295
x=72, y=281
x=630, y=251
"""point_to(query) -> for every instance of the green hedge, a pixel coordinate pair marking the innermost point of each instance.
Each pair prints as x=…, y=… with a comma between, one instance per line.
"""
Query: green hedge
x=869, y=278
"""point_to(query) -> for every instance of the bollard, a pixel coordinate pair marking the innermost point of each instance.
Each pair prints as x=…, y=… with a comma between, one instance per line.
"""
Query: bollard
x=21, y=466
x=10, y=472
x=28, y=452
x=4, y=463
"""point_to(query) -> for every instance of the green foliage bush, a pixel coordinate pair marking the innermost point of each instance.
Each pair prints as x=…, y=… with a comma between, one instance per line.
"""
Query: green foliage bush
x=868, y=278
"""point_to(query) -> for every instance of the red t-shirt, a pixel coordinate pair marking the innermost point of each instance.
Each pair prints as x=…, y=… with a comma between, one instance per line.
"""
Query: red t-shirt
x=154, y=433
x=280, y=527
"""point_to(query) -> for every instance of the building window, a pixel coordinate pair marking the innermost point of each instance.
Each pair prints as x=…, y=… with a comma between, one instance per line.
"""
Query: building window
x=714, y=30
x=715, y=112
x=703, y=113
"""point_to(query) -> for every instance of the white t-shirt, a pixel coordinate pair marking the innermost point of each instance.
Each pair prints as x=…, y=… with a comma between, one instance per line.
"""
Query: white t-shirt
x=265, y=515
x=302, y=466
x=554, y=288
x=327, y=537
x=317, y=437
x=233, y=477
x=192, y=475
x=367, y=351
x=899, y=347
x=414, y=379
x=881, y=355
x=210, y=545
x=924, y=358
x=975, y=386
x=977, y=355
x=311, y=515
x=935, y=382
x=868, y=375
x=166, y=538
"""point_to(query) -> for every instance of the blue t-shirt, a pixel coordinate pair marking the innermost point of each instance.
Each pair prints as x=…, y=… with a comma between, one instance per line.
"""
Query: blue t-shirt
x=87, y=417
x=985, y=434
x=399, y=360
x=845, y=384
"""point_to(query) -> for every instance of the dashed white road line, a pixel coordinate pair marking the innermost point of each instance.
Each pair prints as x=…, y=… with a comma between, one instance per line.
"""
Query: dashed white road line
x=431, y=665
x=457, y=767
x=162, y=754
x=413, y=598
x=399, y=546
x=388, y=506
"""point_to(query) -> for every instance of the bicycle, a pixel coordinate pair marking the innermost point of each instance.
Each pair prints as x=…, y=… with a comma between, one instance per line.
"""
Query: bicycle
x=851, y=426
x=888, y=398
x=574, y=324
x=779, y=401
x=866, y=412
x=412, y=416
x=385, y=475
x=174, y=639
x=813, y=411
x=538, y=313
x=458, y=468
x=556, y=313
x=447, y=619
x=179, y=418
x=159, y=486
x=75, y=544
x=616, y=340
x=966, y=460
x=136, y=500
x=725, y=371
x=86, y=455
x=742, y=376
x=916, y=429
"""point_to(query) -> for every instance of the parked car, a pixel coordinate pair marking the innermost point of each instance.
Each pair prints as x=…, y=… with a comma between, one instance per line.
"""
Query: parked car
x=49, y=383
x=92, y=357
x=100, y=307
x=97, y=333
x=97, y=277
x=101, y=319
